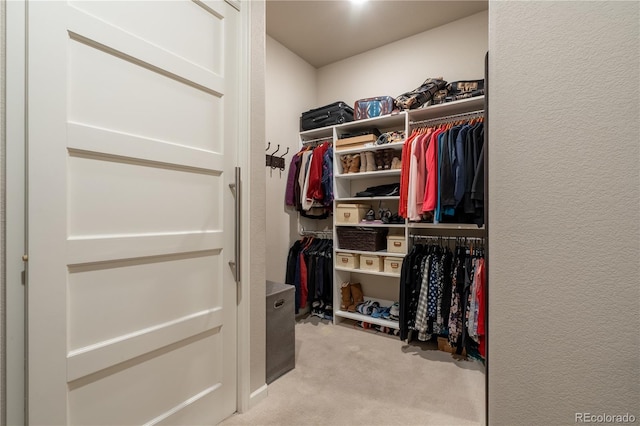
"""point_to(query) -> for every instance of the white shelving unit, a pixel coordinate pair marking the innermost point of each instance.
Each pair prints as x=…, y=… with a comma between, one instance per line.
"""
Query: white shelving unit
x=362, y=271
x=384, y=286
x=371, y=253
x=367, y=318
x=379, y=285
x=393, y=145
x=368, y=175
x=365, y=199
x=372, y=225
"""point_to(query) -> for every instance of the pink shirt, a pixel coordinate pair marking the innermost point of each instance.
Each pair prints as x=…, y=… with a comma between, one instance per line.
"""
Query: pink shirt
x=430, y=198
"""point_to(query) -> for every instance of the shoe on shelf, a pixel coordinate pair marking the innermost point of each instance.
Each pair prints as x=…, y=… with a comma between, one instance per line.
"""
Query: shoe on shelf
x=394, y=312
x=378, y=156
x=387, y=157
x=357, y=296
x=379, y=311
x=396, y=163
x=345, y=294
x=396, y=219
x=371, y=161
x=367, y=307
x=363, y=163
x=346, y=162
x=370, y=216
x=385, y=215
x=354, y=167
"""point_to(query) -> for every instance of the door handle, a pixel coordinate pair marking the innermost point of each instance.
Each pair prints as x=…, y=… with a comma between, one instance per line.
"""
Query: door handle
x=236, y=186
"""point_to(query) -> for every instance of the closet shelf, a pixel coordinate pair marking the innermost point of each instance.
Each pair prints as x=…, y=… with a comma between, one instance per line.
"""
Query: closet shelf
x=446, y=226
x=396, y=198
x=371, y=253
x=321, y=132
x=367, y=318
x=362, y=271
x=366, y=175
x=393, y=145
x=449, y=108
x=381, y=123
x=372, y=225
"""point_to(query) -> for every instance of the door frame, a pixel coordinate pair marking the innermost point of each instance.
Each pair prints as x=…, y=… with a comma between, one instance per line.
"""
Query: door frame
x=14, y=28
x=14, y=320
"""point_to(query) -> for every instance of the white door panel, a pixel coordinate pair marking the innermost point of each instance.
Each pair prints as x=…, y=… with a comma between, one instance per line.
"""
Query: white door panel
x=132, y=145
x=140, y=198
x=160, y=108
x=151, y=298
x=196, y=29
x=181, y=372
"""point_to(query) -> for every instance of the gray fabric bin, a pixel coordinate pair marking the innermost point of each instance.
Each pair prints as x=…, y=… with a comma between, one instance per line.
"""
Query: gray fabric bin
x=281, y=337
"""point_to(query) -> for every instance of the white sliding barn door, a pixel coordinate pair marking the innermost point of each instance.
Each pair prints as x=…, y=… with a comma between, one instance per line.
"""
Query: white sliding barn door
x=132, y=135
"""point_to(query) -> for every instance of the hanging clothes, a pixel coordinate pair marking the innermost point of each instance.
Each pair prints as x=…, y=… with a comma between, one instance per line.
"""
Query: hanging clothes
x=310, y=271
x=442, y=177
x=442, y=293
x=309, y=189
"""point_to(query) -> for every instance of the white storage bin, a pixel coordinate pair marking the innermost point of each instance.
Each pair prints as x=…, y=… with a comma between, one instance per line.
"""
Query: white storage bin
x=396, y=244
x=371, y=263
x=348, y=260
x=351, y=213
x=393, y=265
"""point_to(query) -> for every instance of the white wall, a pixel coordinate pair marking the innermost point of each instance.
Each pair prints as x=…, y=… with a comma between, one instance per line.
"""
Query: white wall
x=290, y=90
x=257, y=255
x=454, y=51
x=564, y=218
x=2, y=208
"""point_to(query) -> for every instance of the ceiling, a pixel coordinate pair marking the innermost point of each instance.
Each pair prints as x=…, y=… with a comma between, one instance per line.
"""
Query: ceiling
x=323, y=32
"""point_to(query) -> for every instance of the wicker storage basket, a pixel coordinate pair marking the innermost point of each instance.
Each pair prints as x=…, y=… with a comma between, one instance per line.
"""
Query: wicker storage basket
x=364, y=239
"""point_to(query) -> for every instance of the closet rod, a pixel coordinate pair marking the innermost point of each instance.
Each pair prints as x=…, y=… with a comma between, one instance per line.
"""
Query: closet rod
x=310, y=141
x=472, y=114
x=320, y=234
x=444, y=237
x=314, y=232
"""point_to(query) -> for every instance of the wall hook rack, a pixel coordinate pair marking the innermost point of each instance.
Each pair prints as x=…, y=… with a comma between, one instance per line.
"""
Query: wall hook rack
x=276, y=162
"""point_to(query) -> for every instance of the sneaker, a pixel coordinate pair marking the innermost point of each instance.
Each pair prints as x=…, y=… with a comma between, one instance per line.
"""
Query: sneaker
x=370, y=216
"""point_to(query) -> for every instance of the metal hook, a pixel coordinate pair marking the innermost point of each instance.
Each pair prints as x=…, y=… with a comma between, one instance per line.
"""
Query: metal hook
x=282, y=166
x=272, y=154
x=268, y=146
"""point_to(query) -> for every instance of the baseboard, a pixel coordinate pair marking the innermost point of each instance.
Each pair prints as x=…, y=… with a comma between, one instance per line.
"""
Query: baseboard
x=258, y=395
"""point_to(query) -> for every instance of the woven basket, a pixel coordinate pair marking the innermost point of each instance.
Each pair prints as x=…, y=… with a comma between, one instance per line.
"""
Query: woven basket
x=363, y=239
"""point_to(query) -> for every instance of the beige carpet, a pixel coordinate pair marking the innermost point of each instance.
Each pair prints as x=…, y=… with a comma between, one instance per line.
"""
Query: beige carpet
x=348, y=376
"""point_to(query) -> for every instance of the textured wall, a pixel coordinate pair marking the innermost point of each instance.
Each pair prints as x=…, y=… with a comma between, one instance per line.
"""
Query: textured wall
x=2, y=208
x=564, y=221
x=454, y=51
x=257, y=207
x=290, y=90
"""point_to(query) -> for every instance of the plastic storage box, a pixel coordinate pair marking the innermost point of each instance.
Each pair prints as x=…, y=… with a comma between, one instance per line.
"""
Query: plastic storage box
x=280, y=336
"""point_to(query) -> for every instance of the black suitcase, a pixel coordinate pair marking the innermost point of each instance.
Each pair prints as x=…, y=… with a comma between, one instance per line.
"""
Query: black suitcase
x=328, y=115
